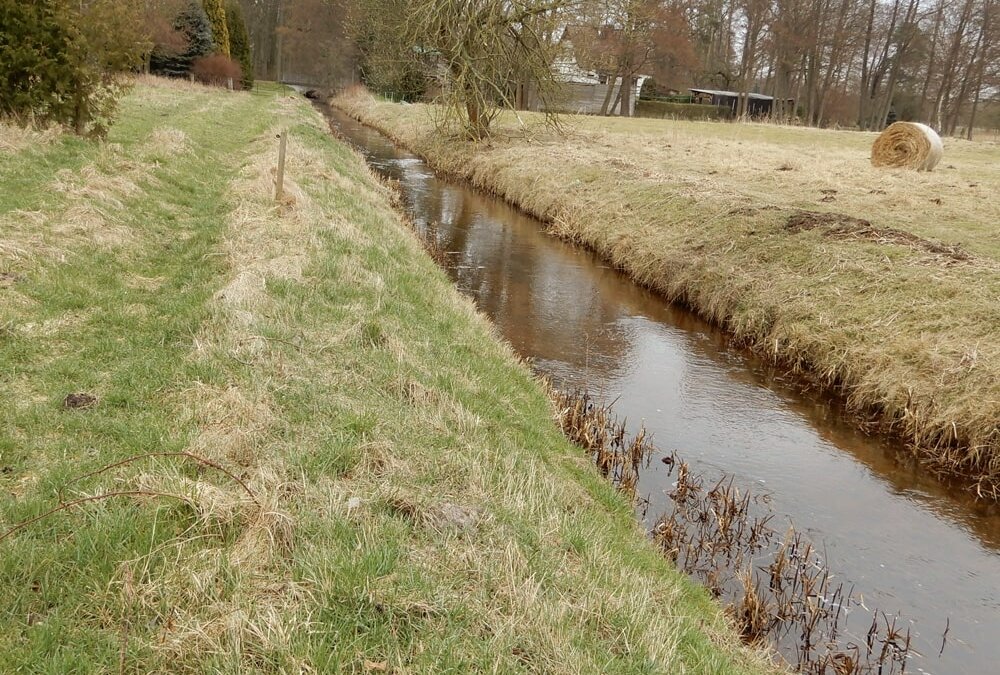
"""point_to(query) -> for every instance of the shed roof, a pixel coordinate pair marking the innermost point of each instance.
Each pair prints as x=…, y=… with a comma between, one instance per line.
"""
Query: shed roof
x=733, y=94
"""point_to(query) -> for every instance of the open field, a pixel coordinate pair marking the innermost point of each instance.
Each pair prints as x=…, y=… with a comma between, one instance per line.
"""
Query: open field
x=881, y=284
x=295, y=447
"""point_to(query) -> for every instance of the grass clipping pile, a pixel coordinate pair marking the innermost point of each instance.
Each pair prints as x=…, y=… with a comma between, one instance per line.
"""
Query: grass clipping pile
x=908, y=145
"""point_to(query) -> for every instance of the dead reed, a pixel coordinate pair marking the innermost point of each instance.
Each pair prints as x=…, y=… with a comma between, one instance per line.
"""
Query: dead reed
x=594, y=427
x=776, y=588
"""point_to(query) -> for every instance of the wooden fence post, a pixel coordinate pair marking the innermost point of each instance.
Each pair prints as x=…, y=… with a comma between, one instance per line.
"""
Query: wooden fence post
x=280, y=177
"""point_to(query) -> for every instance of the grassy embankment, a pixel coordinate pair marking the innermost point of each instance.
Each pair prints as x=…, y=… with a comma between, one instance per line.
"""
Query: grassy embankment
x=789, y=239
x=387, y=487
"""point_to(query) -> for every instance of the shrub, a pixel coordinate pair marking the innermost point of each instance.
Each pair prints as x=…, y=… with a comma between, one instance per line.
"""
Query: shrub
x=193, y=25
x=216, y=12
x=167, y=40
x=61, y=61
x=36, y=60
x=216, y=70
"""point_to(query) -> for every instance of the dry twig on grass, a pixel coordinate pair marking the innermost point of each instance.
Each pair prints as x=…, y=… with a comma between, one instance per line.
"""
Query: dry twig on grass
x=93, y=498
x=187, y=455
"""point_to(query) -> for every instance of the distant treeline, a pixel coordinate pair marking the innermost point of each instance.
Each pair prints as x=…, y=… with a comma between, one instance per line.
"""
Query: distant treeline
x=841, y=62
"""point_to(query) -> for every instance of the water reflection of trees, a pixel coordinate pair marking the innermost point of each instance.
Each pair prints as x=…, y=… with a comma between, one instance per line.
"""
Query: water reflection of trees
x=534, y=288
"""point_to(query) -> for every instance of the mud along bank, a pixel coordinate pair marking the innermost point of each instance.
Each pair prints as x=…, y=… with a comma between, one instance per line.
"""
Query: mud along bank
x=789, y=240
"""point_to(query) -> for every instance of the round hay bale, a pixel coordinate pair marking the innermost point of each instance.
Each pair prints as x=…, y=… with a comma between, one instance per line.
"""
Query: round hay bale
x=908, y=145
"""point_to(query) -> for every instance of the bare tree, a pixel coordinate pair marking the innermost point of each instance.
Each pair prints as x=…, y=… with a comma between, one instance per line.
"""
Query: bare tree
x=621, y=39
x=989, y=58
x=755, y=14
x=481, y=49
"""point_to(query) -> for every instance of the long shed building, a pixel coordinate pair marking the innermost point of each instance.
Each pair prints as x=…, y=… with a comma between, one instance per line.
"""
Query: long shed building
x=758, y=105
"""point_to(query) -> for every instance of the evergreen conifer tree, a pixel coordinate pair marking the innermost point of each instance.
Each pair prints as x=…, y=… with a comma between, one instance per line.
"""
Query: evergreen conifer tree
x=193, y=23
x=216, y=11
x=239, y=41
x=60, y=60
x=36, y=60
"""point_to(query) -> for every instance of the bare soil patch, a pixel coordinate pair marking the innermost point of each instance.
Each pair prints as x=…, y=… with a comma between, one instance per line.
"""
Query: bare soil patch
x=79, y=401
x=842, y=226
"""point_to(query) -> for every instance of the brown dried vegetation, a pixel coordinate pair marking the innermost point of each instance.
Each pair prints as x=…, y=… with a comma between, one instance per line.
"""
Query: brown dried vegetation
x=776, y=588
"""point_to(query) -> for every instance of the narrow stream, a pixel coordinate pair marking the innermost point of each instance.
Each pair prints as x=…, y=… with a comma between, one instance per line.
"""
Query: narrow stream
x=907, y=544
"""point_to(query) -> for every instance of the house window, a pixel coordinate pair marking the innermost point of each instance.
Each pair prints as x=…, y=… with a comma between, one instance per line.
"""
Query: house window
x=603, y=79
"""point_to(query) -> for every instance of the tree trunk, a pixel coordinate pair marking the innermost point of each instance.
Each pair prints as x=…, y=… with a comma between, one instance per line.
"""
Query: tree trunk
x=968, y=77
x=608, y=94
x=972, y=115
x=897, y=61
x=983, y=58
x=81, y=114
x=951, y=64
x=475, y=120
x=817, y=28
x=925, y=110
x=886, y=66
x=865, y=69
x=626, y=96
x=615, y=102
x=835, y=64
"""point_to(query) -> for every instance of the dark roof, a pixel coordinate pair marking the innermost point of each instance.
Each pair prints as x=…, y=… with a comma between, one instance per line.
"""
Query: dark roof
x=731, y=94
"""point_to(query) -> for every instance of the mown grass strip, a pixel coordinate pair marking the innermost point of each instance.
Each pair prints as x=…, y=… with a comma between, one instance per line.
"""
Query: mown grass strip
x=397, y=495
x=880, y=285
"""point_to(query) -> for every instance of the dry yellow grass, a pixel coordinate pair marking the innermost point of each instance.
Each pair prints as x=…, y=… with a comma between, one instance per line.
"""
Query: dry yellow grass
x=91, y=208
x=262, y=242
x=881, y=284
x=14, y=137
x=163, y=86
x=168, y=142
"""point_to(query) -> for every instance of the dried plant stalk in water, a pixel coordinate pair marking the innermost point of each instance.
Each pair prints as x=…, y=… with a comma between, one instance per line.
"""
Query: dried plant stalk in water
x=775, y=588
x=594, y=428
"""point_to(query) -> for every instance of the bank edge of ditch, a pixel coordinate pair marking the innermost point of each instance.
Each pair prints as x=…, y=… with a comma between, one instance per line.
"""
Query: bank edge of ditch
x=303, y=447
x=754, y=271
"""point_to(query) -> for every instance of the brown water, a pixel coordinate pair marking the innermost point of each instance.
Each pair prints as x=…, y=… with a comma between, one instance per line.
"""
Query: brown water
x=909, y=545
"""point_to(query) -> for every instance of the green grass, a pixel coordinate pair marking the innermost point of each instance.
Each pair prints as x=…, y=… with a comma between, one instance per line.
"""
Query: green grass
x=318, y=356
x=701, y=212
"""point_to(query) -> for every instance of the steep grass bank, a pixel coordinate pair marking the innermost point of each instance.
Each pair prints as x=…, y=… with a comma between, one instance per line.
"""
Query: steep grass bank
x=883, y=285
x=240, y=437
